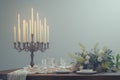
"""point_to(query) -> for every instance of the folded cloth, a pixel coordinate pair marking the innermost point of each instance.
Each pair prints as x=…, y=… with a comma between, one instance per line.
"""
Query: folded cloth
x=17, y=75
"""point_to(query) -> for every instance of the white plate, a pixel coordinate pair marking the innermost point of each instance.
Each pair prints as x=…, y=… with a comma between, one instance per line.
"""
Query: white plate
x=82, y=72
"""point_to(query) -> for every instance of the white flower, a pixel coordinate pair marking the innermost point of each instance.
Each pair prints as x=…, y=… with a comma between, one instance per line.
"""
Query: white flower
x=87, y=57
x=99, y=59
x=101, y=52
x=81, y=67
x=87, y=61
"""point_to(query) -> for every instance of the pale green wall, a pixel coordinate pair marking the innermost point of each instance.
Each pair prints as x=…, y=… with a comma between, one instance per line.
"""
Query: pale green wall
x=71, y=22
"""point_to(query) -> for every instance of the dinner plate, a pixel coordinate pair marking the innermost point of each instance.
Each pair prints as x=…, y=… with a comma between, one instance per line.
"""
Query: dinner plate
x=82, y=72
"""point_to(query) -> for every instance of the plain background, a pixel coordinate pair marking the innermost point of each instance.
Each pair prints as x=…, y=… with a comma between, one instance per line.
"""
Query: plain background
x=71, y=22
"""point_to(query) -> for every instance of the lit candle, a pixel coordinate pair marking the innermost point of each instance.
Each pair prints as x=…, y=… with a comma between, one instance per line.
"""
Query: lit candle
x=24, y=31
x=47, y=33
x=14, y=34
x=32, y=19
x=18, y=28
x=38, y=27
x=35, y=32
x=27, y=30
x=30, y=30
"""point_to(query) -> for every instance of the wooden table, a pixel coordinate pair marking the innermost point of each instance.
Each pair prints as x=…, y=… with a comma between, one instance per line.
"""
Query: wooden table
x=71, y=76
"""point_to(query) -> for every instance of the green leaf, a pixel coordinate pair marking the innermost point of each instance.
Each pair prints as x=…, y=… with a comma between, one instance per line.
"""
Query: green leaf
x=105, y=65
x=117, y=57
x=117, y=64
x=104, y=48
x=95, y=48
x=80, y=59
x=83, y=48
x=71, y=55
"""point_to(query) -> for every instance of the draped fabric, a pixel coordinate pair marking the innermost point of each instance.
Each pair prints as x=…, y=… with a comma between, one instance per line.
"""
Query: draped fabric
x=17, y=75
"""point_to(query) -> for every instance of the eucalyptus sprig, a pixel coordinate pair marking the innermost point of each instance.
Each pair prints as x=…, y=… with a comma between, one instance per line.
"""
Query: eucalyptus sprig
x=117, y=60
x=83, y=48
x=95, y=48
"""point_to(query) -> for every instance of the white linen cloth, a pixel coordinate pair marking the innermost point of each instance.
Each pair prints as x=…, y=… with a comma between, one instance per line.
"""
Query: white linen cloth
x=17, y=75
x=21, y=74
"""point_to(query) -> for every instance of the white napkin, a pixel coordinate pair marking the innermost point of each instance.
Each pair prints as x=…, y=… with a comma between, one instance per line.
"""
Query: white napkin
x=17, y=75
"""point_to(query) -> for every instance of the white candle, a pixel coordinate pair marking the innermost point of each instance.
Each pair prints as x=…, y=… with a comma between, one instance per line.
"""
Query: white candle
x=30, y=30
x=24, y=31
x=32, y=19
x=40, y=31
x=47, y=33
x=27, y=30
x=35, y=32
x=38, y=27
x=14, y=34
x=18, y=28
x=45, y=40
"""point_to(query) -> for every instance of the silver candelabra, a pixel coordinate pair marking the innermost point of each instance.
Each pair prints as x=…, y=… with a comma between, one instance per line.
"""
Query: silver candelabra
x=31, y=47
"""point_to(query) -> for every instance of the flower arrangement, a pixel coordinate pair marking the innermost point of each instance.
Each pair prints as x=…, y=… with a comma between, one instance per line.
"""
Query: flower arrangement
x=100, y=60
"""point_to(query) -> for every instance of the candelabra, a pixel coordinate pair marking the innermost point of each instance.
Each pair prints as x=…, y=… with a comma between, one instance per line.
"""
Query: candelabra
x=31, y=47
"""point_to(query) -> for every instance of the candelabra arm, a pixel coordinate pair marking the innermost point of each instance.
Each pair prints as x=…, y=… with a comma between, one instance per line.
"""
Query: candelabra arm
x=32, y=58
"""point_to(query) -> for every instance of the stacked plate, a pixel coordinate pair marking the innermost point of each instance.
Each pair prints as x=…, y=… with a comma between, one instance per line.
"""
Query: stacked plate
x=86, y=71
